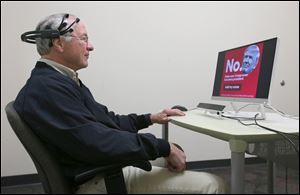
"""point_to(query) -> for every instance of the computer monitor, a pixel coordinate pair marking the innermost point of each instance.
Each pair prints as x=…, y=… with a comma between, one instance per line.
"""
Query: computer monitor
x=244, y=73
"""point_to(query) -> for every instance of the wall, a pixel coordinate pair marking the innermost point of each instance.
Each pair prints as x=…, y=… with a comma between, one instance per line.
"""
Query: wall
x=152, y=55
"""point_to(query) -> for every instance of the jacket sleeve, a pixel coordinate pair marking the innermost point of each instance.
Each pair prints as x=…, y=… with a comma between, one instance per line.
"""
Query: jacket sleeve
x=55, y=109
x=130, y=122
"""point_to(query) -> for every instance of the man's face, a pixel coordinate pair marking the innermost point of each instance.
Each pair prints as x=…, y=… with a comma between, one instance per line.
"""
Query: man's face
x=76, y=51
x=250, y=60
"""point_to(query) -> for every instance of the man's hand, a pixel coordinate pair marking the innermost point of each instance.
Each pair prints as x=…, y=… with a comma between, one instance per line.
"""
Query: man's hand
x=163, y=116
x=176, y=161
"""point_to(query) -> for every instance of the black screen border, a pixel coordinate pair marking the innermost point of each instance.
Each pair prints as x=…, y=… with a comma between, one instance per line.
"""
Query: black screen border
x=265, y=74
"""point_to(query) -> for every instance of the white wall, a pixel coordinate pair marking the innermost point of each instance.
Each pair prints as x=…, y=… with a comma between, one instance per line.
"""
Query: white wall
x=152, y=55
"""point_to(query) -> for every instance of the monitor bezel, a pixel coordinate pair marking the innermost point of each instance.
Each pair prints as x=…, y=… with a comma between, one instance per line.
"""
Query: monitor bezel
x=255, y=99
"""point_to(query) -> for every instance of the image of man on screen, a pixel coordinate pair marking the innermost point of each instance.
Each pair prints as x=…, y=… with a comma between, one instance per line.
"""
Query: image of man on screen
x=250, y=60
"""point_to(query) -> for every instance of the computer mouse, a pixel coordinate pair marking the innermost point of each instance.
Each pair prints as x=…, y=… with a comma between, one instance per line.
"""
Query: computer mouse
x=182, y=108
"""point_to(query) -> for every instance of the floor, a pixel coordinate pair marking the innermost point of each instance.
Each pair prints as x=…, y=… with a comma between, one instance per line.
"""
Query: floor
x=255, y=181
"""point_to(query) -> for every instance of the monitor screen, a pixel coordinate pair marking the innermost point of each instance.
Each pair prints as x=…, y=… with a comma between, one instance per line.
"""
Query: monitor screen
x=244, y=73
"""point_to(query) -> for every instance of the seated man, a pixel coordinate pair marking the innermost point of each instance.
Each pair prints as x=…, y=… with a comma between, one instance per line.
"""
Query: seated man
x=83, y=133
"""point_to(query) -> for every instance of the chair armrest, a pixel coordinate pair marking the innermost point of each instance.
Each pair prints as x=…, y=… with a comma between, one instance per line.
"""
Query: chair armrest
x=110, y=169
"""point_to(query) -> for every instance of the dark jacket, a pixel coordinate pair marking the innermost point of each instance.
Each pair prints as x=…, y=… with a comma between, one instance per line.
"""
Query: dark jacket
x=80, y=131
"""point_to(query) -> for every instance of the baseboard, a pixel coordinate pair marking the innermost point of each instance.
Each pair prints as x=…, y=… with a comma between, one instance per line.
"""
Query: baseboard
x=20, y=180
x=194, y=165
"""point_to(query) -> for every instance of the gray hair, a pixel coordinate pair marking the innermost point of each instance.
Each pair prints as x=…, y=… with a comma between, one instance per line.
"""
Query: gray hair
x=51, y=22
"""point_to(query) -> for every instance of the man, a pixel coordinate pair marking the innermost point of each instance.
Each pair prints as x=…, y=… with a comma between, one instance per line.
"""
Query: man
x=83, y=133
x=250, y=60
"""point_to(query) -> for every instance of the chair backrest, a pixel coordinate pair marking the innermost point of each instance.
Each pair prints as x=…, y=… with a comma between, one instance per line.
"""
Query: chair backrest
x=48, y=168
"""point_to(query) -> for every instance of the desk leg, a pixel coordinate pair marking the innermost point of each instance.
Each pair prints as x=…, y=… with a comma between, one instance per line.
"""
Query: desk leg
x=165, y=131
x=237, y=172
x=165, y=136
x=237, y=148
x=271, y=167
x=271, y=178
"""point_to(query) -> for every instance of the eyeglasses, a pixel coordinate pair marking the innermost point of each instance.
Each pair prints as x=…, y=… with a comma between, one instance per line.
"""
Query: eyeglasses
x=83, y=38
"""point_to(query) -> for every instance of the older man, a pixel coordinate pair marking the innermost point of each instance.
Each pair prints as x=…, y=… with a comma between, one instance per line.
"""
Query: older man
x=82, y=132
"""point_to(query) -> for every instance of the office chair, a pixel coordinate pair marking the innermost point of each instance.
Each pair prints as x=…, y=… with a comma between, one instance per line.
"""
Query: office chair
x=50, y=171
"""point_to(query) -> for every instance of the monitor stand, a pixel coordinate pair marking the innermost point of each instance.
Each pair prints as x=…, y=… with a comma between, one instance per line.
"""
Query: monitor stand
x=244, y=115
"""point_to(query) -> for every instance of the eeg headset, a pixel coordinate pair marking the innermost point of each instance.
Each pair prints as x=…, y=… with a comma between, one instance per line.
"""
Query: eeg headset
x=30, y=36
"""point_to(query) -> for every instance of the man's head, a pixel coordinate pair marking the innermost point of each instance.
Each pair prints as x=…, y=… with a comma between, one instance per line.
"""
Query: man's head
x=251, y=57
x=70, y=49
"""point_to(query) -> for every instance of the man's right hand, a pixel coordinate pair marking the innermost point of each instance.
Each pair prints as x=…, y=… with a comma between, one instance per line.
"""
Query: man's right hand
x=176, y=161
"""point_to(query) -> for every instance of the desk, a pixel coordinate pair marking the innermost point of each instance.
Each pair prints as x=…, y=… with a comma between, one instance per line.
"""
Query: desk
x=238, y=136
